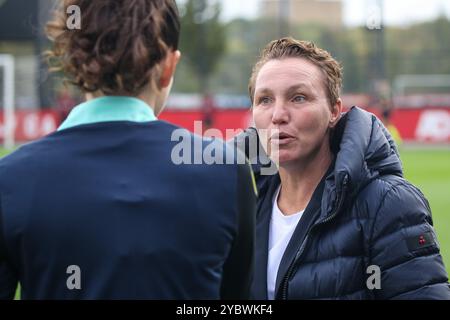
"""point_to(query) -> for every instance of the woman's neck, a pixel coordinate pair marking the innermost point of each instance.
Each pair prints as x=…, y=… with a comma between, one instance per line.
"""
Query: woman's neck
x=299, y=181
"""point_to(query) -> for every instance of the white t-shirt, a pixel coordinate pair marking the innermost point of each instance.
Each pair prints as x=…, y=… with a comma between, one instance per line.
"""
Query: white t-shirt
x=280, y=232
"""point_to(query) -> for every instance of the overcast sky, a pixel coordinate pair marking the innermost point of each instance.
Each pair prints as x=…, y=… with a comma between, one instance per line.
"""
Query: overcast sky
x=397, y=12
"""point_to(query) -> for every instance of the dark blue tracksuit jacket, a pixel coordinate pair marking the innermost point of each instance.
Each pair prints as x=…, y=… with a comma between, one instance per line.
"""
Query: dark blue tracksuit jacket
x=108, y=199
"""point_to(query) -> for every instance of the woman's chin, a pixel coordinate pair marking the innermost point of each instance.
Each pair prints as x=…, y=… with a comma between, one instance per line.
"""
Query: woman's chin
x=283, y=158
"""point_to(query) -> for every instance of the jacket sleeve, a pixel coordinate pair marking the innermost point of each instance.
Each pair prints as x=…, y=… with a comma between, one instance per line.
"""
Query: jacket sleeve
x=8, y=277
x=405, y=248
x=238, y=269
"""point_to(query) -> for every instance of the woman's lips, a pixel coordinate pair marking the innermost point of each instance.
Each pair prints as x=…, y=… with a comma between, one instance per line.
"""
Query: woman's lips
x=282, y=139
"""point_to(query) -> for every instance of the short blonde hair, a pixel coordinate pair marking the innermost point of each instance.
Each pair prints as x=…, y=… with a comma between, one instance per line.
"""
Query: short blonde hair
x=291, y=48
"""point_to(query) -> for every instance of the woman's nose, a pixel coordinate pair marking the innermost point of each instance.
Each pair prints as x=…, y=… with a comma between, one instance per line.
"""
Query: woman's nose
x=280, y=114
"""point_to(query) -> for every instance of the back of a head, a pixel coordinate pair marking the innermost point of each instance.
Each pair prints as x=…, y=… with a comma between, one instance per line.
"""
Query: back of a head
x=119, y=45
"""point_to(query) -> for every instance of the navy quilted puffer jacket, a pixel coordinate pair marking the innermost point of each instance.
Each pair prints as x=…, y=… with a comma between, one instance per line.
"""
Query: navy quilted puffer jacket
x=364, y=217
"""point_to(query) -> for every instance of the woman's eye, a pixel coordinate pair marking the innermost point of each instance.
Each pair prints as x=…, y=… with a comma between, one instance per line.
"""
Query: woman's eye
x=264, y=100
x=299, y=99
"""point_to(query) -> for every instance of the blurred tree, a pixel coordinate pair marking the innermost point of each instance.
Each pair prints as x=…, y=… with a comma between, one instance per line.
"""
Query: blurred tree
x=203, y=40
x=246, y=38
x=348, y=57
x=419, y=48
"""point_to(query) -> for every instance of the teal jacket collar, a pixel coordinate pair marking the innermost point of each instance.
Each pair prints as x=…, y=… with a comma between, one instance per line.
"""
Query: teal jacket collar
x=106, y=109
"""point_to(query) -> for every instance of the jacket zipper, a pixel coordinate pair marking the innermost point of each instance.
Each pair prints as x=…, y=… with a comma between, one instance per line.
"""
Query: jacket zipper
x=285, y=281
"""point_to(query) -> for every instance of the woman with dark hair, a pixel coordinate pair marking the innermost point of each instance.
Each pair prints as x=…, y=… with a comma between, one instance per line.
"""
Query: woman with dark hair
x=100, y=209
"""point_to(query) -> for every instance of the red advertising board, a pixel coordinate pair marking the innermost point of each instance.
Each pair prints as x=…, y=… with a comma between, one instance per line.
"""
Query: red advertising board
x=415, y=125
x=422, y=125
x=31, y=125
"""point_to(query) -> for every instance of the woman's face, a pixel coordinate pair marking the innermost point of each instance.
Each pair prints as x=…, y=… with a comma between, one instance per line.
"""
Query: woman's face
x=291, y=104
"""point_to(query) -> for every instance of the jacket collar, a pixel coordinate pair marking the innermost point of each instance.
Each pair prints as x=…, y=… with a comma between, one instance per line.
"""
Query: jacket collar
x=363, y=150
x=106, y=109
x=265, y=205
x=307, y=220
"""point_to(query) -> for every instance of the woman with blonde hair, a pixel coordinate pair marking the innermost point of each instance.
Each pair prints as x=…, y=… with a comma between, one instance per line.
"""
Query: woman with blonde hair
x=338, y=220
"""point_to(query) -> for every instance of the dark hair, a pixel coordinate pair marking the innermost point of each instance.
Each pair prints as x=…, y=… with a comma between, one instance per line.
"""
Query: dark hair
x=292, y=48
x=118, y=46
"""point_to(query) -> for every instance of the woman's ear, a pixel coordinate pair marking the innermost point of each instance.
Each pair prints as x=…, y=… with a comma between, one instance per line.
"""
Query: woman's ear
x=169, y=65
x=336, y=112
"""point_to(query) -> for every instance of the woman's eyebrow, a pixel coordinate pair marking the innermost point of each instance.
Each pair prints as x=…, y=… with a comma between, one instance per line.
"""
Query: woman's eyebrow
x=294, y=88
x=263, y=91
x=301, y=86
